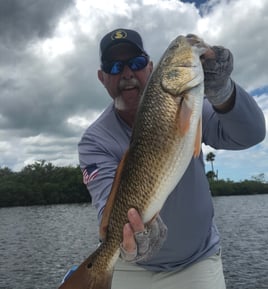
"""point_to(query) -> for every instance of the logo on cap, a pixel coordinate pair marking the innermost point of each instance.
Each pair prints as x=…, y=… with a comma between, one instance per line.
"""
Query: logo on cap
x=119, y=34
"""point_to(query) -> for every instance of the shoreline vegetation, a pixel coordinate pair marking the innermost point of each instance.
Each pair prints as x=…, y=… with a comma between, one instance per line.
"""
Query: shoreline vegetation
x=42, y=183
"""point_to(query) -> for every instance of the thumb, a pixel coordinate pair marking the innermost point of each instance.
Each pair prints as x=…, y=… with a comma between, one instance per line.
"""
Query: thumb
x=129, y=243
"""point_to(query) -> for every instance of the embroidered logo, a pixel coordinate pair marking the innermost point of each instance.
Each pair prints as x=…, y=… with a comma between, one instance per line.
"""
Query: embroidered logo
x=118, y=34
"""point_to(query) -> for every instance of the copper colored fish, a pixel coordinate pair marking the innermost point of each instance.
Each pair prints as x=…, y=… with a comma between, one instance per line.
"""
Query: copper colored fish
x=166, y=135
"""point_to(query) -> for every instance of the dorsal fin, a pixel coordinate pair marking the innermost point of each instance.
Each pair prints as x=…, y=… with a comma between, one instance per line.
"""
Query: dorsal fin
x=110, y=201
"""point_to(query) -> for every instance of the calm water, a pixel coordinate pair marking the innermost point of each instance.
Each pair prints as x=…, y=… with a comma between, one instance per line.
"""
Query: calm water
x=38, y=244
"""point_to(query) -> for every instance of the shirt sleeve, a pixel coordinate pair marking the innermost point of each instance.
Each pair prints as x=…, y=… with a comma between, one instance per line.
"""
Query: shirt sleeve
x=99, y=160
x=240, y=128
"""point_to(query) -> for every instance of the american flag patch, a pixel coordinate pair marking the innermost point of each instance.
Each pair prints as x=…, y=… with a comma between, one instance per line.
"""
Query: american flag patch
x=90, y=173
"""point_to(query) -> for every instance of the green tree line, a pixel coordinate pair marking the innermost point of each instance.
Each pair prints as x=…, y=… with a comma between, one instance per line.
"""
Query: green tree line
x=257, y=184
x=246, y=187
x=42, y=183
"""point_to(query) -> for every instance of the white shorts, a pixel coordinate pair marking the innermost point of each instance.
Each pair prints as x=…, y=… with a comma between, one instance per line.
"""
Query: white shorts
x=206, y=274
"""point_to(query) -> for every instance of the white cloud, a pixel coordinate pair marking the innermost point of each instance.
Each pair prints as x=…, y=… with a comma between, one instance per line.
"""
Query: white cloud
x=83, y=121
x=241, y=28
x=49, y=87
x=244, y=164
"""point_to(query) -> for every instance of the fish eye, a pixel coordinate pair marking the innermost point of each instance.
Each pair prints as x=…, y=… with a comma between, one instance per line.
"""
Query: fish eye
x=89, y=265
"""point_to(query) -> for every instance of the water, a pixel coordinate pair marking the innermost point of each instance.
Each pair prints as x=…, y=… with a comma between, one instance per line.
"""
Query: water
x=243, y=224
x=38, y=244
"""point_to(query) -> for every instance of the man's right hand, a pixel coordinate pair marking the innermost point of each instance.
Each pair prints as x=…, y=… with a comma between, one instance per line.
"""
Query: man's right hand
x=141, y=241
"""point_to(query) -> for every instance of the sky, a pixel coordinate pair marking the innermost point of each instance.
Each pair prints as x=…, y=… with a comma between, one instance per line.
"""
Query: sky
x=49, y=57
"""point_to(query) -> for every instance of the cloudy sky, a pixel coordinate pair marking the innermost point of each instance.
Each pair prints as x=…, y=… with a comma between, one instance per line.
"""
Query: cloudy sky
x=49, y=91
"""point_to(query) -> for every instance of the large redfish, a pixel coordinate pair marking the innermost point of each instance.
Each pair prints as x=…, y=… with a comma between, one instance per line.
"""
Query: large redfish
x=166, y=135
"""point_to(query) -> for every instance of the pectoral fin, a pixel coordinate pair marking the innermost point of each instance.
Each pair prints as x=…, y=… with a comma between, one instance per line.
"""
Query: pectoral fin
x=198, y=139
x=183, y=117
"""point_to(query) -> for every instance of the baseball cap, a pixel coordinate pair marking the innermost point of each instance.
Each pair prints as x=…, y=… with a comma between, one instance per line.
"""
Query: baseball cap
x=120, y=36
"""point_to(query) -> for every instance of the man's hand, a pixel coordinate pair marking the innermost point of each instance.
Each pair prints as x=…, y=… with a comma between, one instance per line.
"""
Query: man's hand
x=141, y=241
x=217, y=69
x=217, y=64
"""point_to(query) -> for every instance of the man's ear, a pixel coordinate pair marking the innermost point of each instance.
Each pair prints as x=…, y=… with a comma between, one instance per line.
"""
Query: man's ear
x=100, y=76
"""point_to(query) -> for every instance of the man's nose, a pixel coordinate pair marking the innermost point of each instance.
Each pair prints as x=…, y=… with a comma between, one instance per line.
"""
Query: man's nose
x=127, y=73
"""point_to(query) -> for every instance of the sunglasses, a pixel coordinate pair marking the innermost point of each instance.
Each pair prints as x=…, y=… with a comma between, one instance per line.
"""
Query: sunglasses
x=117, y=66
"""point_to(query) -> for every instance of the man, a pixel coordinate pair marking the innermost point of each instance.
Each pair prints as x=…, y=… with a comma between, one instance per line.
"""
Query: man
x=187, y=254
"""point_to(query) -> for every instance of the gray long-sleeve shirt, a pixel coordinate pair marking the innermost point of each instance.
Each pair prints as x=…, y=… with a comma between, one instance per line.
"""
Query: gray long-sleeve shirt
x=188, y=211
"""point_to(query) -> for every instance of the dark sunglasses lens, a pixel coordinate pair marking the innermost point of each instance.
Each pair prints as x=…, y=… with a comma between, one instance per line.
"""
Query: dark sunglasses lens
x=116, y=67
x=137, y=63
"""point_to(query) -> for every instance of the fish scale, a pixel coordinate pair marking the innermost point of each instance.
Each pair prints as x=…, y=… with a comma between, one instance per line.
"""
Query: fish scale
x=166, y=135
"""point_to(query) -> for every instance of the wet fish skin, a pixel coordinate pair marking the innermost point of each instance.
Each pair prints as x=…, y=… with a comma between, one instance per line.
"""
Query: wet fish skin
x=166, y=135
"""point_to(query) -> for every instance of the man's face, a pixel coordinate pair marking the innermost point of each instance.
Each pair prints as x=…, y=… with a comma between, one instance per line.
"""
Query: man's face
x=126, y=87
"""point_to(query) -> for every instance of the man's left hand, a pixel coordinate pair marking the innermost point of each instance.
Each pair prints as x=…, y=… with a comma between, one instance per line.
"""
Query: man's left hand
x=217, y=64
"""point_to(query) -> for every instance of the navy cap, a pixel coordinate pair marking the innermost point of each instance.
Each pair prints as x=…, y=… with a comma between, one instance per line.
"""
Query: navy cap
x=120, y=36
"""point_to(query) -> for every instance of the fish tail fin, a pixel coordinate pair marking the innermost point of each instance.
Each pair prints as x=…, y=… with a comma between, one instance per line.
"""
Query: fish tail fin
x=90, y=275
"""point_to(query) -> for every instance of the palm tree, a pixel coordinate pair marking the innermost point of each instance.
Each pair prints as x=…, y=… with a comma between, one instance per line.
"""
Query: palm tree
x=211, y=158
x=211, y=175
